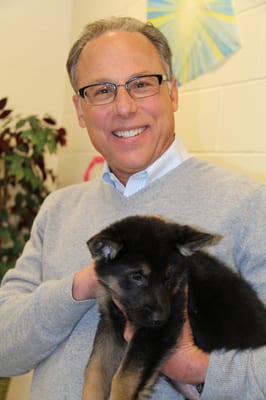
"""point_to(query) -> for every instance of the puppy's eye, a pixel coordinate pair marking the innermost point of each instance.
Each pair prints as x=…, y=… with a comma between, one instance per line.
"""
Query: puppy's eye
x=137, y=278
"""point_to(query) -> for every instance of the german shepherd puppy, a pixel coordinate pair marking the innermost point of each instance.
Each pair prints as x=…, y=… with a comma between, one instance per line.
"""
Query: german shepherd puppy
x=145, y=263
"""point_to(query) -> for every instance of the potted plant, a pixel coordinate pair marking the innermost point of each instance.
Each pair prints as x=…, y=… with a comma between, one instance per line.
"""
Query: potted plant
x=25, y=179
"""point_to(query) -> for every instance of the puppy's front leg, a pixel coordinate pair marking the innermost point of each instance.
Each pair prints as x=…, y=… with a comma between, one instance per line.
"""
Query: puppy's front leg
x=125, y=385
x=104, y=361
x=139, y=368
x=96, y=384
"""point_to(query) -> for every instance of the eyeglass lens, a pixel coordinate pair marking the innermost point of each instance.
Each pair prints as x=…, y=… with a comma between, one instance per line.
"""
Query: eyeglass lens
x=137, y=87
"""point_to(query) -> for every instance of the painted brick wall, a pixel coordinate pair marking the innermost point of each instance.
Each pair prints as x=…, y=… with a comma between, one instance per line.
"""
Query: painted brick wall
x=222, y=114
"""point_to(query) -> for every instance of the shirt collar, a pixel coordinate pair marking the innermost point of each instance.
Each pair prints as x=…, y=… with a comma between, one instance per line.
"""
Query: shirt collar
x=170, y=159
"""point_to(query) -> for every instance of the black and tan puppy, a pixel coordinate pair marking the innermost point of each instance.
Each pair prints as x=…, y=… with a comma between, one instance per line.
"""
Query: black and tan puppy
x=145, y=264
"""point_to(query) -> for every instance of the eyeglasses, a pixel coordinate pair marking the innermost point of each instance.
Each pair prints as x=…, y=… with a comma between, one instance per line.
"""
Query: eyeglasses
x=139, y=87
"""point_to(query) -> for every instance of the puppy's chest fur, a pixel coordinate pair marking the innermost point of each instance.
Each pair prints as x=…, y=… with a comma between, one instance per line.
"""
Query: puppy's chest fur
x=148, y=266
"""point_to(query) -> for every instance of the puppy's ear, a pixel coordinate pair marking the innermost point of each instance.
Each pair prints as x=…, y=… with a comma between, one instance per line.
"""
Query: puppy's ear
x=102, y=247
x=191, y=240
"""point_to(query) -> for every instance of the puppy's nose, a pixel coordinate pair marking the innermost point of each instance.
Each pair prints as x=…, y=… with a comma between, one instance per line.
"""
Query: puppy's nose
x=159, y=318
x=154, y=317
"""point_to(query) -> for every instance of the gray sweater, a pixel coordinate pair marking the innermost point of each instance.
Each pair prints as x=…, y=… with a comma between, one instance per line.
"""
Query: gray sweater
x=44, y=328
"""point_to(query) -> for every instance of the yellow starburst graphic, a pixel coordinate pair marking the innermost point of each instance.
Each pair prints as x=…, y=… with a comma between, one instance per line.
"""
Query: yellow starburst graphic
x=201, y=33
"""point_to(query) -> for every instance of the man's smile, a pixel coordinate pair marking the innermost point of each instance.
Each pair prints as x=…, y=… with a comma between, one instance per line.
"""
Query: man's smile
x=129, y=133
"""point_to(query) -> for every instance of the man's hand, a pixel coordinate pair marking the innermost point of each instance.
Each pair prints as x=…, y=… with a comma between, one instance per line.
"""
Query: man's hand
x=85, y=283
x=188, y=364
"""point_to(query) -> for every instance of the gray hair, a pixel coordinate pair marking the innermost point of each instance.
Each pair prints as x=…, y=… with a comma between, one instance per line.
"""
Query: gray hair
x=126, y=24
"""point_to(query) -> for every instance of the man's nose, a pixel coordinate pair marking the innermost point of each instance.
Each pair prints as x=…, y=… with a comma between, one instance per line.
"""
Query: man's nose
x=124, y=104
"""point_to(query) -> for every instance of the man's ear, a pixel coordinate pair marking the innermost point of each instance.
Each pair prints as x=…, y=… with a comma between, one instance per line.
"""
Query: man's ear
x=102, y=247
x=79, y=111
x=190, y=240
x=174, y=94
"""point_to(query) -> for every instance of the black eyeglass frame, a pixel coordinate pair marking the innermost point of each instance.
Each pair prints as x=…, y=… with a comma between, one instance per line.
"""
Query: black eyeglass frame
x=161, y=78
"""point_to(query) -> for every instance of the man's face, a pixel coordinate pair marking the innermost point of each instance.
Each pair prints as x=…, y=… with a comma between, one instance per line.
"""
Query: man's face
x=130, y=134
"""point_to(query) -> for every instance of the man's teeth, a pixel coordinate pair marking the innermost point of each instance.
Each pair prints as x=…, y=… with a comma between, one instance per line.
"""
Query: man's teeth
x=129, y=133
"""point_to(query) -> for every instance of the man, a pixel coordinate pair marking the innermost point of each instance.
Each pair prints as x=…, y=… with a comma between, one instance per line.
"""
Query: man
x=126, y=96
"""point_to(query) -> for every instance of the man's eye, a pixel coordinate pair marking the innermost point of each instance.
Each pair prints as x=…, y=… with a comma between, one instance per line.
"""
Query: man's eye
x=141, y=84
x=102, y=90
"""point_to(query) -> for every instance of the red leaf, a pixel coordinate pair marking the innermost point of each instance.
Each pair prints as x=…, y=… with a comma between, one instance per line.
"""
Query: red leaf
x=5, y=113
x=4, y=146
x=61, y=136
x=3, y=103
x=49, y=120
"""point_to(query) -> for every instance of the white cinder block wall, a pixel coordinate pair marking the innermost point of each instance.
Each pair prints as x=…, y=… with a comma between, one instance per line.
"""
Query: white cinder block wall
x=222, y=114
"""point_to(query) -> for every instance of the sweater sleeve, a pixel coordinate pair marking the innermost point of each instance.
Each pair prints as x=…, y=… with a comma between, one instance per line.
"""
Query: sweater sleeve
x=236, y=375
x=36, y=315
x=240, y=375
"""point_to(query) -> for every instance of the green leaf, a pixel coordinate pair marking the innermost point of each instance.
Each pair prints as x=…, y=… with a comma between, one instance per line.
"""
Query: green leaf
x=41, y=140
x=34, y=123
x=4, y=216
x=16, y=168
x=21, y=123
x=5, y=234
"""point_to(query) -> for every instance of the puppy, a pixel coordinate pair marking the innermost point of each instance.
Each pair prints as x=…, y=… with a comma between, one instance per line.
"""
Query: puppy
x=145, y=264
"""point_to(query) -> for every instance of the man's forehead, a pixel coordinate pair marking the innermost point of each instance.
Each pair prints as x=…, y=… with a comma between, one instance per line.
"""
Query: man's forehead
x=117, y=53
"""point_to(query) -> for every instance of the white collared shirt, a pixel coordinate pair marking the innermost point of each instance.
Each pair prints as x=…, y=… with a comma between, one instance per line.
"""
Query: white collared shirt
x=170, y=159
